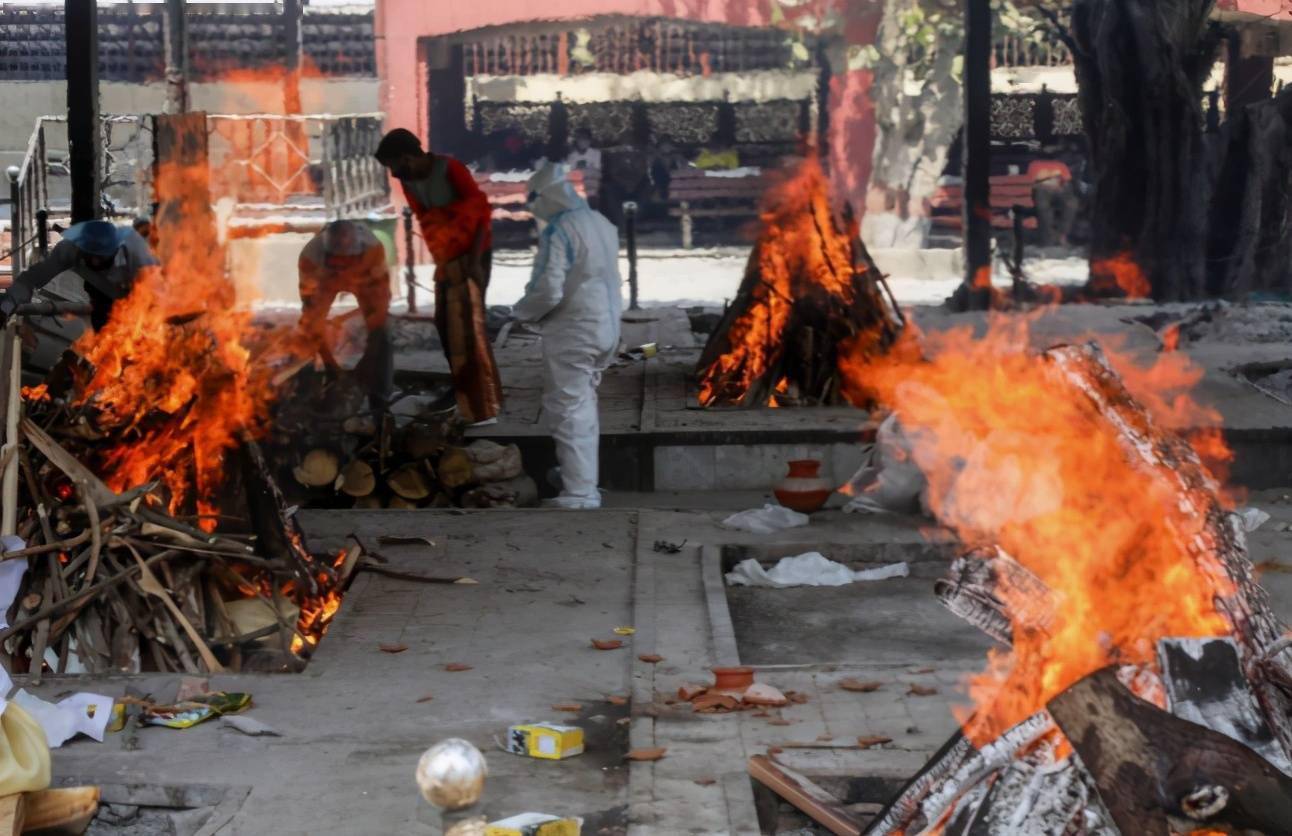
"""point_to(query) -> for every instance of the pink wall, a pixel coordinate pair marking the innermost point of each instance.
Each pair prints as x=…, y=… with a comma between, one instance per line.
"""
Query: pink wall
x=400, y=23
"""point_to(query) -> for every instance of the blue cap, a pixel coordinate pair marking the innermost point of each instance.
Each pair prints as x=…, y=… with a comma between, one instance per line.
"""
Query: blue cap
x=101, y=238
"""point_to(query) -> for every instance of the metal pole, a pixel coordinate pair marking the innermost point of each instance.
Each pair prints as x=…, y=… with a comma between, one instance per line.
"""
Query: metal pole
x=294, y=45
x=175, y=33
x=81, y=27
x=11, y=373
x=977, y=152
x=17, y=223
x=410, y=275
x=630, y=232
x=42, y=233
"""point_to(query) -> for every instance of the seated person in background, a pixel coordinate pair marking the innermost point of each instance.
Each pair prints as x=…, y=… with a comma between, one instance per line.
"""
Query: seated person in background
x=1056, y=200
x=718, y=159
x=584, y=157
x=666, y=160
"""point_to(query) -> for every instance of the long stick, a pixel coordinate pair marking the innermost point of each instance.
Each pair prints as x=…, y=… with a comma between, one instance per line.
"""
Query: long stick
x=58, y=545
x=9, y=482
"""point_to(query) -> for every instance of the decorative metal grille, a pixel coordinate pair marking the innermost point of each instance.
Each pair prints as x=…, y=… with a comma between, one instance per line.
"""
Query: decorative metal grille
x=131, y=45
x=529, y=118
x=1067, y=116
x=775, y=121
x=1012, y=117
x=684, y=123
x=611, y=123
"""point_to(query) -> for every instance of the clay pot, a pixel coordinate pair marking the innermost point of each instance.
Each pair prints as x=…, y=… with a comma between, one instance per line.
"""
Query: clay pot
x=804, y=490
x=732, y=681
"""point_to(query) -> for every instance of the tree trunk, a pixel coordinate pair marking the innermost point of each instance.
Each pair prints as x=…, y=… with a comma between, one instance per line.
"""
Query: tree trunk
x=1140, y=68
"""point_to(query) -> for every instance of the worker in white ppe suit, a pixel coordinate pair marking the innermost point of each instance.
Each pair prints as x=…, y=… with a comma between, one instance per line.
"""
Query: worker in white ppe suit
x=574, y=299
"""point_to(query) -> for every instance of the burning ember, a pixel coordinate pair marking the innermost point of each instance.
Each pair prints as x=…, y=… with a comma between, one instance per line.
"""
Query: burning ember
x=1119, y=276
x=810, y=295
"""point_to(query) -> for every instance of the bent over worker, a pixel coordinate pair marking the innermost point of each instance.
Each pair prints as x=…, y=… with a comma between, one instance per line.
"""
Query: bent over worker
x=574, y=298
x=455, y=219
x=345, y=257
x=107, y=257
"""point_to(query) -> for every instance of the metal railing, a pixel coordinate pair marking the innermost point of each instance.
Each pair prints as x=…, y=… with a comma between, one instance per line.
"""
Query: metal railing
x=313, y=162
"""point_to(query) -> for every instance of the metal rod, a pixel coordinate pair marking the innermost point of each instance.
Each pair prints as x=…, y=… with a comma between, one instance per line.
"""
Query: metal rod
x=175, y=34
x=410, y=275
x=630, y=231
x=977, y=152
x=13, y=404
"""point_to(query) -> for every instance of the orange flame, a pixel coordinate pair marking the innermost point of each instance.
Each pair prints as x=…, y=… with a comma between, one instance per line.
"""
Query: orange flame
x=1119, y=276
x=1018, y=457
x=173, y=379
x=35, y=393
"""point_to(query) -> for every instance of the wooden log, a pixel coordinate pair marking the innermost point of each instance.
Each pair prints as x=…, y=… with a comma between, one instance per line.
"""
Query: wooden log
x=993, y=592
x=278, y=534
x=1153, y=769
x=319, y=468
x=13, y=814
x=357, y=479
x=805, y=796
x=66, y=810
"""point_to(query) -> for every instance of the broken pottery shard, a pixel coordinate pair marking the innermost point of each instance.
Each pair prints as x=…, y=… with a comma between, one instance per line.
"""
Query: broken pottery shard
x=689, y=692
x=761, y=694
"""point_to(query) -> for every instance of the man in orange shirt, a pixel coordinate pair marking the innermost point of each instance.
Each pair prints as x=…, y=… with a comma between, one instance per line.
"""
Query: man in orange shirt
x=1056, y=204
x=455, y=219
x=345, y=257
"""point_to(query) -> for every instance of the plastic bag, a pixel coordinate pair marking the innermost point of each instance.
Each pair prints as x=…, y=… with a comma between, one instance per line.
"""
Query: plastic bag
x=24, y=754
x=810, y=569
x=766, y=520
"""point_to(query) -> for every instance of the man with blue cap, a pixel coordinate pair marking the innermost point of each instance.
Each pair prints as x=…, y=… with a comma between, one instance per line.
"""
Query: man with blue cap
x=574, y=299
x=107, y=257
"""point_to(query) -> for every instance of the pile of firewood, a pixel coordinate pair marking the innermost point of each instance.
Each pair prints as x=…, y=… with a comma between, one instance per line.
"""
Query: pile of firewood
x=335, y=456
x=114, y=583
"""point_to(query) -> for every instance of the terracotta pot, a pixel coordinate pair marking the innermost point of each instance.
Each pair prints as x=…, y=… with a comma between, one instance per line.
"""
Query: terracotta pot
x=732, y=680
x=804, y=490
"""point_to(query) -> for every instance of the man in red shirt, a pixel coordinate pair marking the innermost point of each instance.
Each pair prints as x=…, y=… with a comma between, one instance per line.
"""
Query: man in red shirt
x=455, y=218
x=1056, y=204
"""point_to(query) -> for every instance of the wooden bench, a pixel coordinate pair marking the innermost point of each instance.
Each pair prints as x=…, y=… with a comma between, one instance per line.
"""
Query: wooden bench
x=1007, y=191
x=693, y=193
x=509, y=198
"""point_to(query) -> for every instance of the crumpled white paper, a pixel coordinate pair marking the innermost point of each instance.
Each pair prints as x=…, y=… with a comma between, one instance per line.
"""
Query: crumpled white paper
x=766, y=520
x=1253, y=518
x=11, y=574
x=810, y=569
x=68, y=717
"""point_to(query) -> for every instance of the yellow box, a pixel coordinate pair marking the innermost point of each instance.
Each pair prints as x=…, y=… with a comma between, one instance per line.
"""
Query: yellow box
x=535, y=824
x=548, y=741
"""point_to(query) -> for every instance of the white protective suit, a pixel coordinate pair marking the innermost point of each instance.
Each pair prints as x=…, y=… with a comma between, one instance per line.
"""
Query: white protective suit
x=574, y=298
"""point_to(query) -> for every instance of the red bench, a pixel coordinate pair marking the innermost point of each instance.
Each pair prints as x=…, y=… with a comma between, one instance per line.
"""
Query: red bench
x=1007, y=191
x=693, y=193
x=509, y=197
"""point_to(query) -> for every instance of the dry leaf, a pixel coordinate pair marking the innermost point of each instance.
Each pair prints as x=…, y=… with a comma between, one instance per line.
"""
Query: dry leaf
x=647, y=754
x=921, y=691
x=778, y=721
x=392, y=648
x=859, y=687
x=615, y=699
x=425, y=698
x=651, y=658
x=706, y=782
x=824, y=738
x=392, y=540
x=922, y=670
x=467, y=582
x=607, y=644
x=568, y=706
x=456, y=667
x=625, y=631
x=868, y=741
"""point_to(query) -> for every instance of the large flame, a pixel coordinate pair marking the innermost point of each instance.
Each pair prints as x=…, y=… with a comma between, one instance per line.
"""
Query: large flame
x=1017, y=457
x=1119, y=275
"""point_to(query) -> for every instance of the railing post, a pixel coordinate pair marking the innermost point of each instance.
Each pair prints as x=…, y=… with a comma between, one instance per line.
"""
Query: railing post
x=410, y=275
x=17, y=231
x=42, y=233
x=630, y=232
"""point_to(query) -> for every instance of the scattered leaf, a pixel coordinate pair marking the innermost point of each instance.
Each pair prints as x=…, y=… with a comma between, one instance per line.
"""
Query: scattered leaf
x=706, y=782
x=796, y=697
x=651, y=658
x=922, y=670
x=607, y=644
x=425, y=698
x=615, y=699
x=456, y=667
x=393, y=540
x=859, y=687
x=778, y=721
x=867, y=741
x=625, y=631
x=921, y=691
x=392, y=647
x=573, y=707
x=467, y=582
x=824, y=738
x=647, y=754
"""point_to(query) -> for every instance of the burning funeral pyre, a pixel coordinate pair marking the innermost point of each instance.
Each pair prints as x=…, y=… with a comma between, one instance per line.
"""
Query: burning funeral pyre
x=811, y=295
x=1147, y=686
x=184, y=557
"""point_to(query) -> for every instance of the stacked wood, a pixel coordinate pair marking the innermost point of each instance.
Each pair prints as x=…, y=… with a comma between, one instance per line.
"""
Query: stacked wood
x=116, y=583
x=341, y=460
x=1198, y=740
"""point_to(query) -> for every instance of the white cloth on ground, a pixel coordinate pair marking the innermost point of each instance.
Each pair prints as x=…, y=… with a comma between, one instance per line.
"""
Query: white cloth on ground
x=810, y=569
x=574, y=297
x=766, y=520
x=888, y=481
